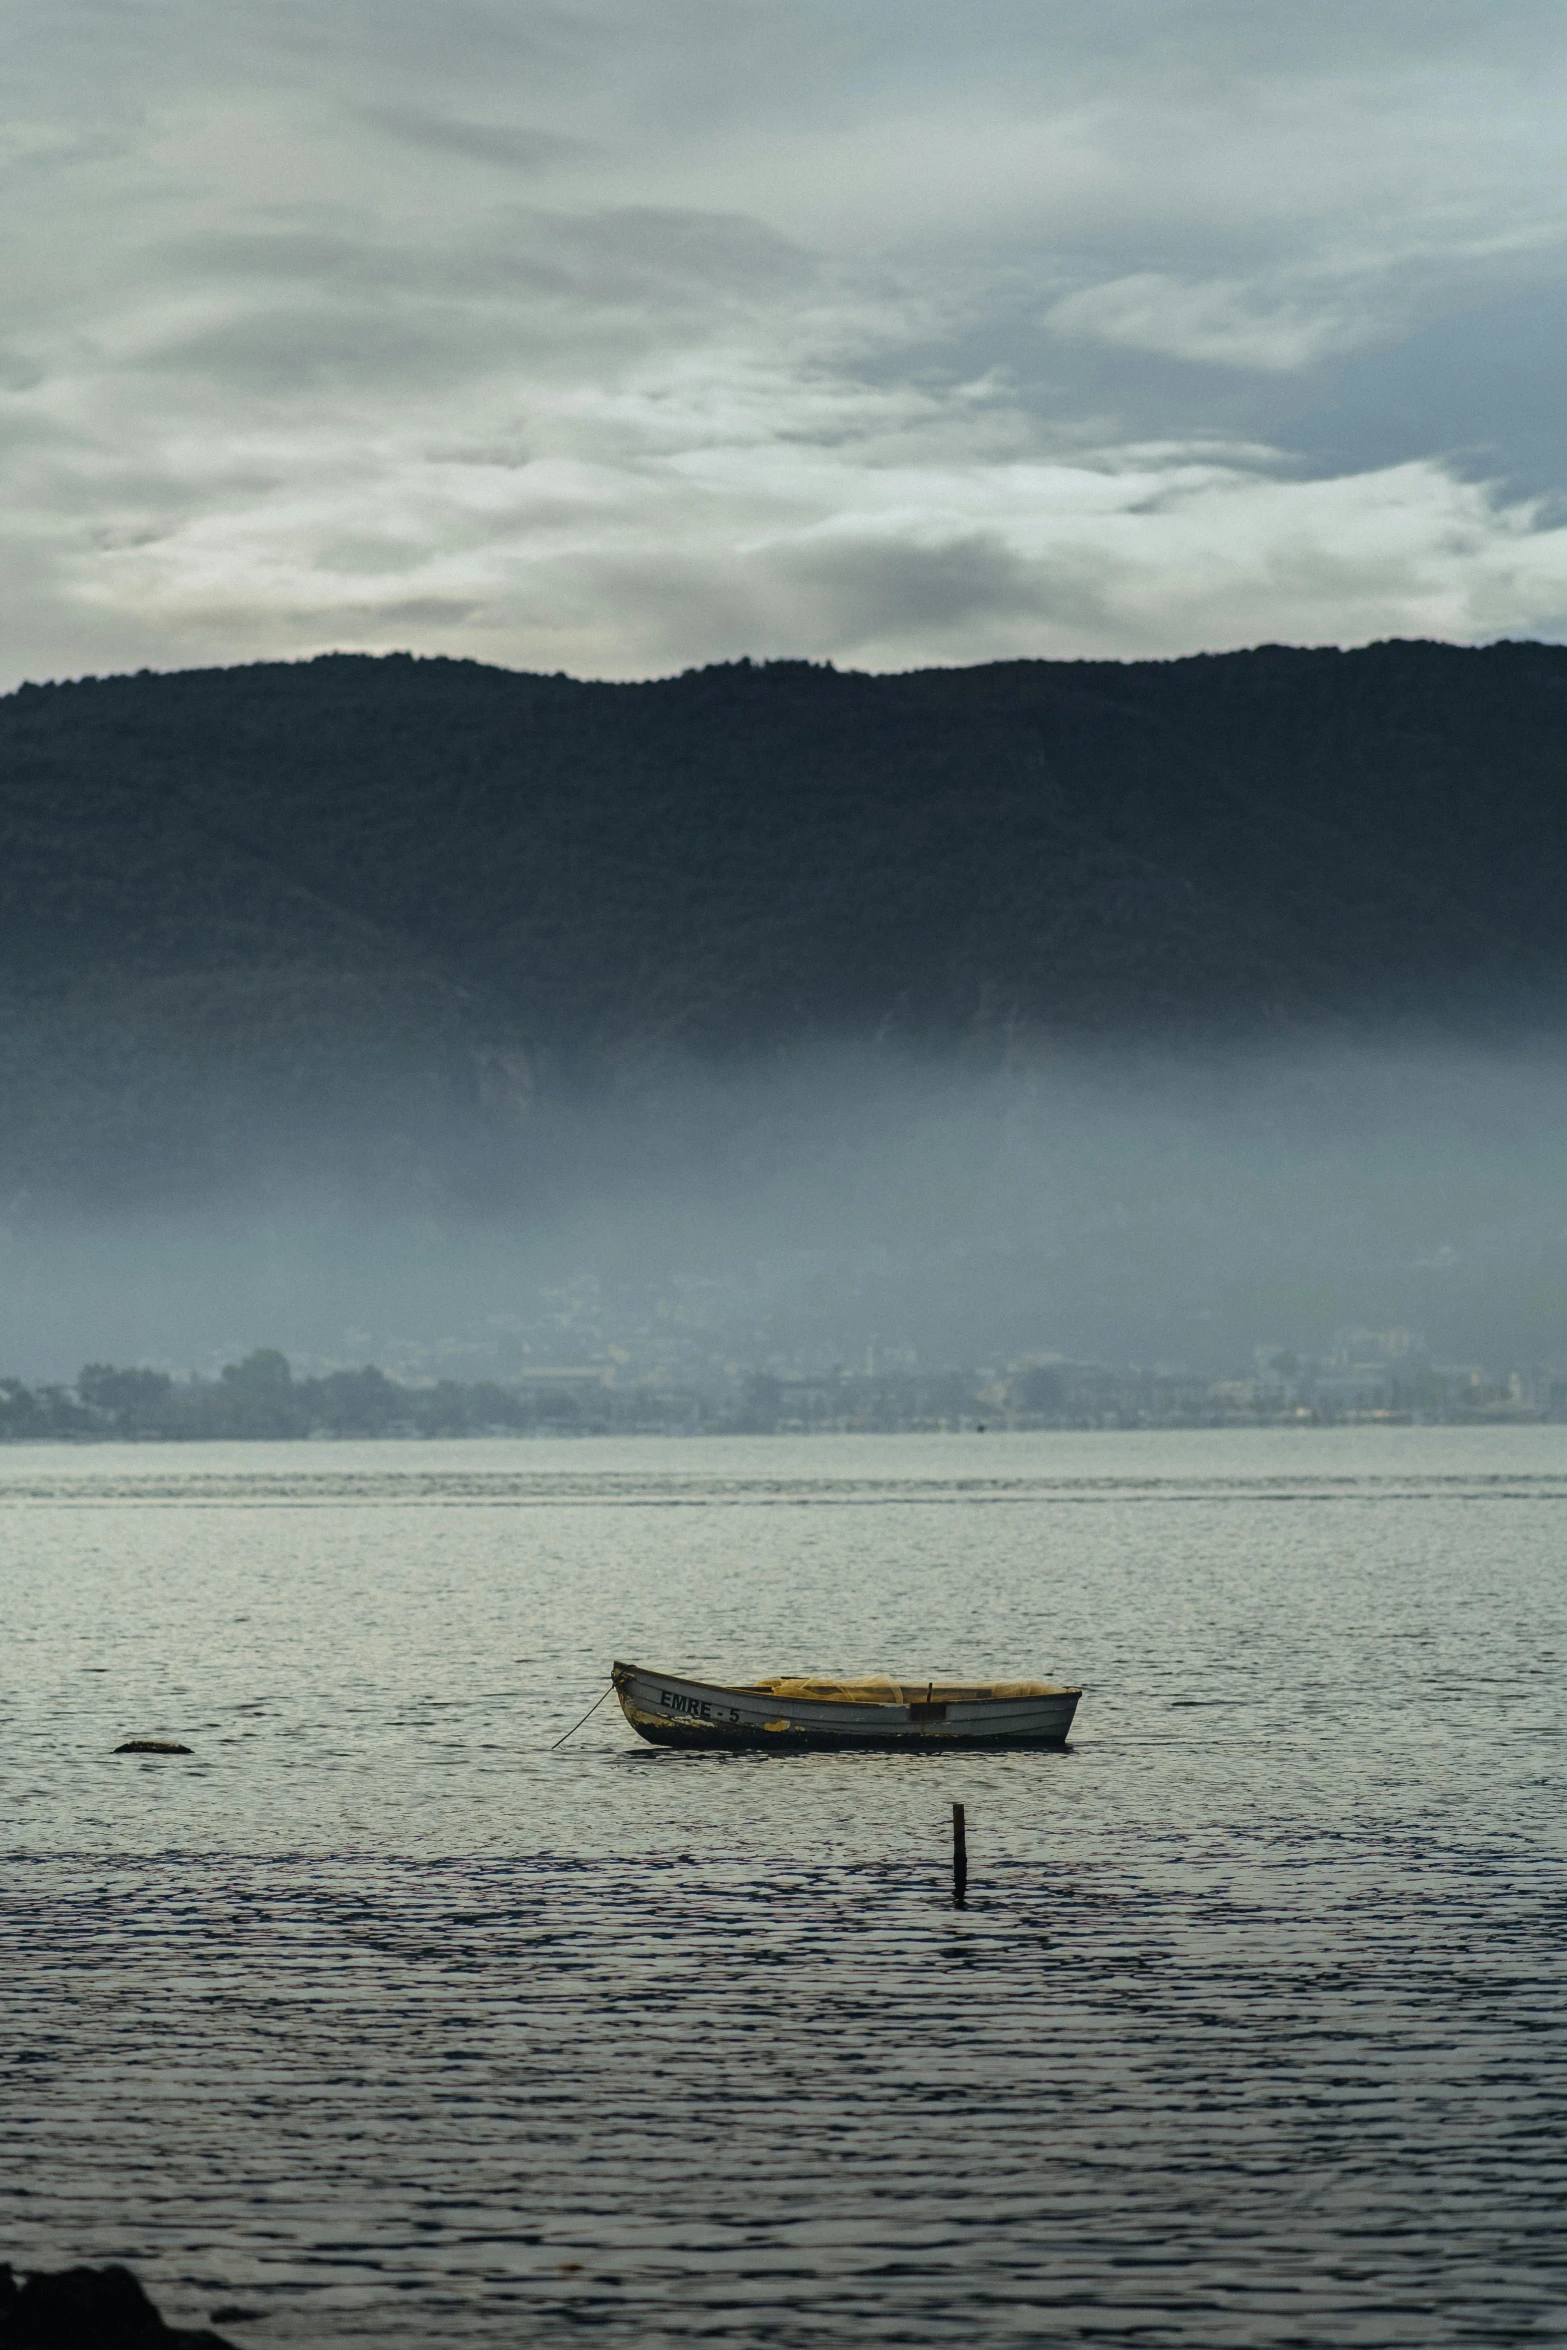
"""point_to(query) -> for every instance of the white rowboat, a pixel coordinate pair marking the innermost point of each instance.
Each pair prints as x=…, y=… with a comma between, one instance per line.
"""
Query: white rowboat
x=788, y=1714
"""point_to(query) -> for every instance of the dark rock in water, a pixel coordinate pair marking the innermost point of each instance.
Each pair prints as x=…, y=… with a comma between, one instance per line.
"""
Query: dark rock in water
x=88, y=2309
x=153, y=1746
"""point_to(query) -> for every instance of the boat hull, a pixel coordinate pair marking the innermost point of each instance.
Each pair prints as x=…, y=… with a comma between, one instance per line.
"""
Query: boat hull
x=670, y=1711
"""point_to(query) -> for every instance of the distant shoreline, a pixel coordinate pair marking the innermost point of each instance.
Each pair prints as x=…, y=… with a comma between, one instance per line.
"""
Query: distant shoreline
x=1312, y=1426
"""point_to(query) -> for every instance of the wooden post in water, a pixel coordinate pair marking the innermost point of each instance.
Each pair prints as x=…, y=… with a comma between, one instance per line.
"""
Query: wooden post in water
x=959, y=1856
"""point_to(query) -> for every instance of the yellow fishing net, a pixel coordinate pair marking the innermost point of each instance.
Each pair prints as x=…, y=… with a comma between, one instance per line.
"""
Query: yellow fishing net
x=880, y=1689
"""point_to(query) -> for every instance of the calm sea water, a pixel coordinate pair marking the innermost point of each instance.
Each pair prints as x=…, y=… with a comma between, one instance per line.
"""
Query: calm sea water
x=376, y=2018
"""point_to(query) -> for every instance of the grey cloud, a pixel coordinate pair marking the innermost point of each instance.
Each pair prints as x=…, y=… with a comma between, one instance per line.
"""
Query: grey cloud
x=863, y=599
x=334, y=260
x=1126, y=43
x=363, y=554
x=825, y=327
x=874, y=591
x=381, y=623
x=606, y=254
x=997, y=32
x=630, y=252
x=1221, y=323
x=297, y=312
x=108, y=45
x=300, y=348
x=629, y=257
x=516, y=147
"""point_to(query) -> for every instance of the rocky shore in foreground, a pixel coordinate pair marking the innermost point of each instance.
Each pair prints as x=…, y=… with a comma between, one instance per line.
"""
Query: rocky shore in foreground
x=88, y=2309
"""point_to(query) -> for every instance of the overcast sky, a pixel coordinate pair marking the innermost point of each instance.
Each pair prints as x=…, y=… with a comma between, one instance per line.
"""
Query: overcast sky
x=619, y=335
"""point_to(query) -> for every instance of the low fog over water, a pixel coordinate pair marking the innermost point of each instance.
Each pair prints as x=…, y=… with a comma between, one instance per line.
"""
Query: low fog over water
x=1149, y=1206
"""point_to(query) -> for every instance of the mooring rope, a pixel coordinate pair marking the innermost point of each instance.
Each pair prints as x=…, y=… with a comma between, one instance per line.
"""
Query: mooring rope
x=587, y=1717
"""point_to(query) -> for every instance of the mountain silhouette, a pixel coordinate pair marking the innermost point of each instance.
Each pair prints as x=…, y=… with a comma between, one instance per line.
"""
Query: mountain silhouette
x=389, y=905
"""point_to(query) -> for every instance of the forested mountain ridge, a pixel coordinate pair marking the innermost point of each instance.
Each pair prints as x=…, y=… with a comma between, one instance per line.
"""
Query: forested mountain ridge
x=302, y=892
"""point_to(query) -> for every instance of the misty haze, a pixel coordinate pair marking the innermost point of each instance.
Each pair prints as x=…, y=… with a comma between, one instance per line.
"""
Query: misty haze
x=1172, y=1207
